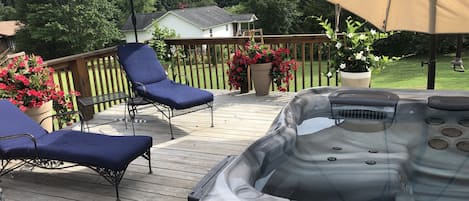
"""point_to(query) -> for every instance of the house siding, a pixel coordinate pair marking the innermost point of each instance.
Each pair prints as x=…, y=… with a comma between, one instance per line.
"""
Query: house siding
x=143, y=36
x=183, y=28
x=219, y=31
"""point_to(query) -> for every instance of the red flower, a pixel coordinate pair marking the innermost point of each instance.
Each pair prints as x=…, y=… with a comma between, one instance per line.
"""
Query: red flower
x=27, y=84
x=23, y=79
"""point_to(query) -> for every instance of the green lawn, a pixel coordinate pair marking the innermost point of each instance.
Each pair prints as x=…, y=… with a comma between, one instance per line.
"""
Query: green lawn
x=408, y=74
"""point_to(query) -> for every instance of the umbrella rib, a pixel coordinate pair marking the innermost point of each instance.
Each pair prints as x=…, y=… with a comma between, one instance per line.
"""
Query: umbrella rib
x=385, y=23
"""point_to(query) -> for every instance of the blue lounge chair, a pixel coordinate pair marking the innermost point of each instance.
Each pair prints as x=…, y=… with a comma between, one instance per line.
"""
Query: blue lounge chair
x=25, y=141
x=149, y=81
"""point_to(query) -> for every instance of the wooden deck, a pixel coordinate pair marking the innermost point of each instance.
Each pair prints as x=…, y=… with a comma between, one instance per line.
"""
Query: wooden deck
x=177, y=164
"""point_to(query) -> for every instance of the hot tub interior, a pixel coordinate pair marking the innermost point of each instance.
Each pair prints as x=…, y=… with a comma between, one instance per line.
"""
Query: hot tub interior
x=360, y=145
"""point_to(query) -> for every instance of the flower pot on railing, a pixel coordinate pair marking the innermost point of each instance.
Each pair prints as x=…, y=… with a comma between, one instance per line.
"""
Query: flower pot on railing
x=244, y=87
x=355, y=79
x=261, y=78
x=38, y=114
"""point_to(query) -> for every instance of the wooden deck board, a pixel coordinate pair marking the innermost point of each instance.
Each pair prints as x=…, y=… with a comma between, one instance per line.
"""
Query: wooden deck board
x=177, y=164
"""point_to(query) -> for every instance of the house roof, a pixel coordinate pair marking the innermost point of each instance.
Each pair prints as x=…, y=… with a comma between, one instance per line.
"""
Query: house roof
x=143, y=20
x=202, y=17
x=209, y=16
x=9, y=28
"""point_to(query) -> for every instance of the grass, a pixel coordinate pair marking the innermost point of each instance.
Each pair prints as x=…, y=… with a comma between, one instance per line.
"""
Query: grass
x=403, y=74
x=408, y=74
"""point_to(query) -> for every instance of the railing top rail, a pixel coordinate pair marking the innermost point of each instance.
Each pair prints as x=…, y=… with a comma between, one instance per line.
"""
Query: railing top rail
x=83, y=56
x=269, y=39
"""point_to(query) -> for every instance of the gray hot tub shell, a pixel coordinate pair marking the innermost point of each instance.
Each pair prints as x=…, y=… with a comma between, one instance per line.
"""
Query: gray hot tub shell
x=356, y=145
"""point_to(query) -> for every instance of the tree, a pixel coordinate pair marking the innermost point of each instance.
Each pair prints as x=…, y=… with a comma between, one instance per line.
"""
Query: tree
x=275, y=16
x=7, y=12
x=227, y=3
x=178, y=4
x=158, y=44
x=58, y=28
x=140, y=6
x=308, y=8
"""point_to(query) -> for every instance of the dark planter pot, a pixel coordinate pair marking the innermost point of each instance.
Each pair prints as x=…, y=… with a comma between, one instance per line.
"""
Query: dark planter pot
x=244, y=88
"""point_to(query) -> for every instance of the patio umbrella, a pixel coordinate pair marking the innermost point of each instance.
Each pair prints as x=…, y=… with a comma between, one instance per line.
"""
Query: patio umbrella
x=426, y=16
x=134, y=19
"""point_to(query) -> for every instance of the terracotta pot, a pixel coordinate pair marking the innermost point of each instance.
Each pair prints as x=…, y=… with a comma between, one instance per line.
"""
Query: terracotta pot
x=38, y=114
x=355, y=79
x=261, y=78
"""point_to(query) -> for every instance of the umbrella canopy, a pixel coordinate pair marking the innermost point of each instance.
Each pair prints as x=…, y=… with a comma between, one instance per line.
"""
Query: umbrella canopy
x=426, y=16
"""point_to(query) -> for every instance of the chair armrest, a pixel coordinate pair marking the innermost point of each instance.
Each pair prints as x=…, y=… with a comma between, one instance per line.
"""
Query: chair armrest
x=67, y=113
x=22, y=135
x=140, y=84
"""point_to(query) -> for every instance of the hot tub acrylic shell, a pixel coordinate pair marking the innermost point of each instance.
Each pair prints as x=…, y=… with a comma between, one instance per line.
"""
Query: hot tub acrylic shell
x=310, y=153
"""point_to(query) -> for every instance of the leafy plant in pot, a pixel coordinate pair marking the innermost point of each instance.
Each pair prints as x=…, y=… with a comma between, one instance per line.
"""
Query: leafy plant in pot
x=28, y=84
x=268, y=65
x=238, y=71
x=352, y=55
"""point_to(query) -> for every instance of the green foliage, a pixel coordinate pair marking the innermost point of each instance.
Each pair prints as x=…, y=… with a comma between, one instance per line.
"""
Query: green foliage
x=59, y=28
x=307, y=8
x=227, y=3
x=354, y=51
x=158, y=44
x=7, y=12
x=236, y=9
x=140, y=6
x=275, y=16
x=176, y=4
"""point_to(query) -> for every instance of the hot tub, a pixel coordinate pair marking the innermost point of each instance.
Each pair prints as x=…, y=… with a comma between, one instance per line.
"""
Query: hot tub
x=332, y=144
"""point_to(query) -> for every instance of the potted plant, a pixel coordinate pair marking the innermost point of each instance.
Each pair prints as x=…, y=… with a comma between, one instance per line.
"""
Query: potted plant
x=28, y=84
x=260, y=60
x=238, y=71
x=282, y=68
x=268, y=65
x=352, y=55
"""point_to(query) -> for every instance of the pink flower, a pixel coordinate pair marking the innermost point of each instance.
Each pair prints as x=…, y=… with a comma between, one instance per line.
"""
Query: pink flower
x=23, y=79
x=39, y=60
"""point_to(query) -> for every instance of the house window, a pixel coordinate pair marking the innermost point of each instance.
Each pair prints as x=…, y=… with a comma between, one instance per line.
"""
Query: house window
x=211, y=32
x=226, y=27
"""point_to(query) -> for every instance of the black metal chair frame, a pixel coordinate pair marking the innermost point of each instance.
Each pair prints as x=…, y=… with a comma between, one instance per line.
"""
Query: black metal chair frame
x=165, y=110
x=114, y=177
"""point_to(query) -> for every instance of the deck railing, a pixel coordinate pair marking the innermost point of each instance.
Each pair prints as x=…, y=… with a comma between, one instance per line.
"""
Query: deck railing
x=202, y=62
x=92, y=74
x=199, y=63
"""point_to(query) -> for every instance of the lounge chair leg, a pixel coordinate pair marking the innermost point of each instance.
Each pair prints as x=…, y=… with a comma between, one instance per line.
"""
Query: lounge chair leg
x=211, y=114
x=112, y=176
x=170, y=127
x=132, y=108
x=147, y=156
x=125, y=113
x=116, y=186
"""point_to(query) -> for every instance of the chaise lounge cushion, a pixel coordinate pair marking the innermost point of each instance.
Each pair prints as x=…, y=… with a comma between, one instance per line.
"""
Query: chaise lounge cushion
x=13, y=121
x=111, y=152
x=176, y=95
x=140, y=63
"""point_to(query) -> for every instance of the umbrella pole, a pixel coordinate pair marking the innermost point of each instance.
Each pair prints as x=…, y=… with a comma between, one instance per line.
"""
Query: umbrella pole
x=134, y=19
x=432, y=63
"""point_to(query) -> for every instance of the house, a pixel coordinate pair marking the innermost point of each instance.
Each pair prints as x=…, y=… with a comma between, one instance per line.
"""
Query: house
x=8, y=31
x=200, y=22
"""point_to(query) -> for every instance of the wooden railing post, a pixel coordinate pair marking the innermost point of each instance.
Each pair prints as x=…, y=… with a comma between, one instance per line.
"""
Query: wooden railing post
x=82, y=84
